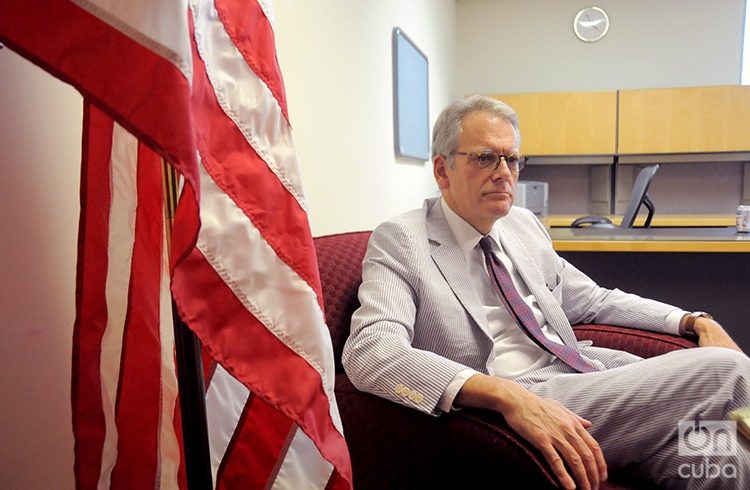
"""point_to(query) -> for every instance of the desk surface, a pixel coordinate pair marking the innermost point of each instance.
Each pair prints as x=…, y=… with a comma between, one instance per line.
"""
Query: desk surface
x=650, y=240
x=680, y=220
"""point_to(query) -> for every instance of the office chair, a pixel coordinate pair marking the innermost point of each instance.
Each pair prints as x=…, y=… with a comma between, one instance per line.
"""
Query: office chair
x=638, y=197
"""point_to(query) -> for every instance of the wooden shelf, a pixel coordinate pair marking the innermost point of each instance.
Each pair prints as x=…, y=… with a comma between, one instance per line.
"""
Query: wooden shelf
x=566, y=123
x=664, y=220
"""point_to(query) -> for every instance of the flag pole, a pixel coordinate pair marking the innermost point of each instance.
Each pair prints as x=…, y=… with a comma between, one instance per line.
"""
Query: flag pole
x=190, y=381
x=192, y=405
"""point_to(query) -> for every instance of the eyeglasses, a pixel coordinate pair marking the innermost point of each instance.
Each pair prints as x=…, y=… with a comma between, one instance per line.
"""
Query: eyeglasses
x=489, y=160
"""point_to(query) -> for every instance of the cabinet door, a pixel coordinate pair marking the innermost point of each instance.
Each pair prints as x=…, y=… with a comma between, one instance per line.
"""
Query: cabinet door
x=566, y=123
x=685, y=120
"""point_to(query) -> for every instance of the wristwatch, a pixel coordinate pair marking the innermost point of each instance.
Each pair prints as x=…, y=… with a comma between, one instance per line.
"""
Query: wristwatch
x=689, y=325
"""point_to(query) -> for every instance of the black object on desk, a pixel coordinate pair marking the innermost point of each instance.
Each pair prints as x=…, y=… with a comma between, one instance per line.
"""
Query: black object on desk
x=638, y=197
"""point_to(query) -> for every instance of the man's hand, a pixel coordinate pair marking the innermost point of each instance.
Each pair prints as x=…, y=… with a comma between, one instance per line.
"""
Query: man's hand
x=711, y=334
x=557, y=432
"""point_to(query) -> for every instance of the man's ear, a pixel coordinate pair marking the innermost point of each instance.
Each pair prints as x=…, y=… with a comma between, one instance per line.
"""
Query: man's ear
x=440, y=171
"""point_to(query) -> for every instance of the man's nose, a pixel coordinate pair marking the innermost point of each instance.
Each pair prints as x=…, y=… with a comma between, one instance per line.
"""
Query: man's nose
x=502, y=171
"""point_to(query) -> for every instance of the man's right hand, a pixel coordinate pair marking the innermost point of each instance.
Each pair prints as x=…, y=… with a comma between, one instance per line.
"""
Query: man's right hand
x=559, y=434
x=711, y=334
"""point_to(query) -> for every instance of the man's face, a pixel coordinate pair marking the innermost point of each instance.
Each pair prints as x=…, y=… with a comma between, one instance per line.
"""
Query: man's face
x=479, y=196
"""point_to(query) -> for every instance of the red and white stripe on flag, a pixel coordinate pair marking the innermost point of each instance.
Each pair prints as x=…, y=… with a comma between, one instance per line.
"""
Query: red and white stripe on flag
x=124, y=382
x=129, y=59
x=211, y=92
x=255, y=257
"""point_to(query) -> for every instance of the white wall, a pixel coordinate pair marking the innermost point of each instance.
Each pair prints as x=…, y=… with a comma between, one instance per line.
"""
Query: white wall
x=336, y=57
x=529, y=45
x=336, y=60
x=40, y=141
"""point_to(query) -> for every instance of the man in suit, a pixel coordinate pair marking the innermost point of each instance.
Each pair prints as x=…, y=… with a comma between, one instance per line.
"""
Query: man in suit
x=464, y=303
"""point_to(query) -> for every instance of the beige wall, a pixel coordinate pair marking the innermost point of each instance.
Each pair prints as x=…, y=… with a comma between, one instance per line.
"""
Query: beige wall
x=529, y=46
x=40, y=140
x=336, y=58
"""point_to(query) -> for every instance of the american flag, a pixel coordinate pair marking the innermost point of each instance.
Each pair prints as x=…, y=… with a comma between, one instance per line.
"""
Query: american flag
x=198, y=84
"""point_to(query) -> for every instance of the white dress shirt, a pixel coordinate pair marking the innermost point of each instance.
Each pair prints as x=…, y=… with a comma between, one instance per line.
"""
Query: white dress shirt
x=515, y=354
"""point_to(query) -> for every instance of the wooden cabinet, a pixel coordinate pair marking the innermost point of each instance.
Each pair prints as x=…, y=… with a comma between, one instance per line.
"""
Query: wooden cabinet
x=634, y=122
x=684, y=120
x=566, y=123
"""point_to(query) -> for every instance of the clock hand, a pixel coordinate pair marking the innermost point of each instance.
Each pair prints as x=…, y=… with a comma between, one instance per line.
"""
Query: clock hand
x=591, y=23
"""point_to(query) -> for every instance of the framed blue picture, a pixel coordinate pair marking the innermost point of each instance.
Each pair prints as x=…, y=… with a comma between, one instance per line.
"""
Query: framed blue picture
x=410, y=99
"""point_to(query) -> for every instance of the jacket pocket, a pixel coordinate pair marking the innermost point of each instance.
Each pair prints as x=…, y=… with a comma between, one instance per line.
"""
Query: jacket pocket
x=555, y=287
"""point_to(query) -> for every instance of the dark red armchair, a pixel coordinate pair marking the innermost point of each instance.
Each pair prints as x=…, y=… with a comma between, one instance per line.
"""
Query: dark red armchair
x=392, y=446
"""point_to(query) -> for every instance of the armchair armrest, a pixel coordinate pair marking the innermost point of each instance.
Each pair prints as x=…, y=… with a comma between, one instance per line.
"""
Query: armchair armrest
x=393, y=446
x=639, y=342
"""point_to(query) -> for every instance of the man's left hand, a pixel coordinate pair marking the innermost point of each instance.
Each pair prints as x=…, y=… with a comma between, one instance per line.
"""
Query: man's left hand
x=711, y=334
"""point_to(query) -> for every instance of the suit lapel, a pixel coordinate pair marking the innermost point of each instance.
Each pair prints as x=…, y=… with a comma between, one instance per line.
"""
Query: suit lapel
x=532, y=276
x=452, y=265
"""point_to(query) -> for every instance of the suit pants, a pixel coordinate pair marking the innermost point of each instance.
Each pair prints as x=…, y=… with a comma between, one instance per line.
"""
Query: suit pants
x=635, y=406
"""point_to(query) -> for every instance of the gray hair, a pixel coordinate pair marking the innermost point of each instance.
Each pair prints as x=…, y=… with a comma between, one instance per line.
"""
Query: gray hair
x=447, y=128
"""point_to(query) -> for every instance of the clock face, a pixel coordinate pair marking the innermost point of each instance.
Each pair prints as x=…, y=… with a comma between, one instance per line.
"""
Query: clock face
x=591, y=24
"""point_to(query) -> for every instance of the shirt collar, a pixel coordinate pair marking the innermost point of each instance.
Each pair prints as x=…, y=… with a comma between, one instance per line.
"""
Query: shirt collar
x=466, y=235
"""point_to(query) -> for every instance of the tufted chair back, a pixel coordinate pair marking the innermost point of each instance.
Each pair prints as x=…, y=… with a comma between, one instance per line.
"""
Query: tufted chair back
x=340, y=264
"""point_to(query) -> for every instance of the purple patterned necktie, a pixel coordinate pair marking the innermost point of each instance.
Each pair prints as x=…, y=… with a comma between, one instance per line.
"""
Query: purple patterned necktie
x=522, y=314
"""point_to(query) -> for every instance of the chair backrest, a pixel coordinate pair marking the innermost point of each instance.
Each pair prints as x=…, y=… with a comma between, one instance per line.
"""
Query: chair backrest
x=340, y=264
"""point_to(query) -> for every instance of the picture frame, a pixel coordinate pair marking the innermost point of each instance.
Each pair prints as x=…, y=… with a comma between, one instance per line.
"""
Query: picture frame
x=410, y=99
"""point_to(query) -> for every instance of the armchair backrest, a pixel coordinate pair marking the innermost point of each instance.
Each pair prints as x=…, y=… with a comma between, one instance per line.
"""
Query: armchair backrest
x=340, y=264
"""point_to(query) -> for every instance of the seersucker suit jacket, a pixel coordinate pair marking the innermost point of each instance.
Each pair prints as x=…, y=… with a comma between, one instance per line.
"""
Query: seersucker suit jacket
x=421, y=322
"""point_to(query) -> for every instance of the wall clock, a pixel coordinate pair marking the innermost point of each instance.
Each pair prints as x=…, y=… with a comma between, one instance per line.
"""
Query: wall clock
x=591, y=24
